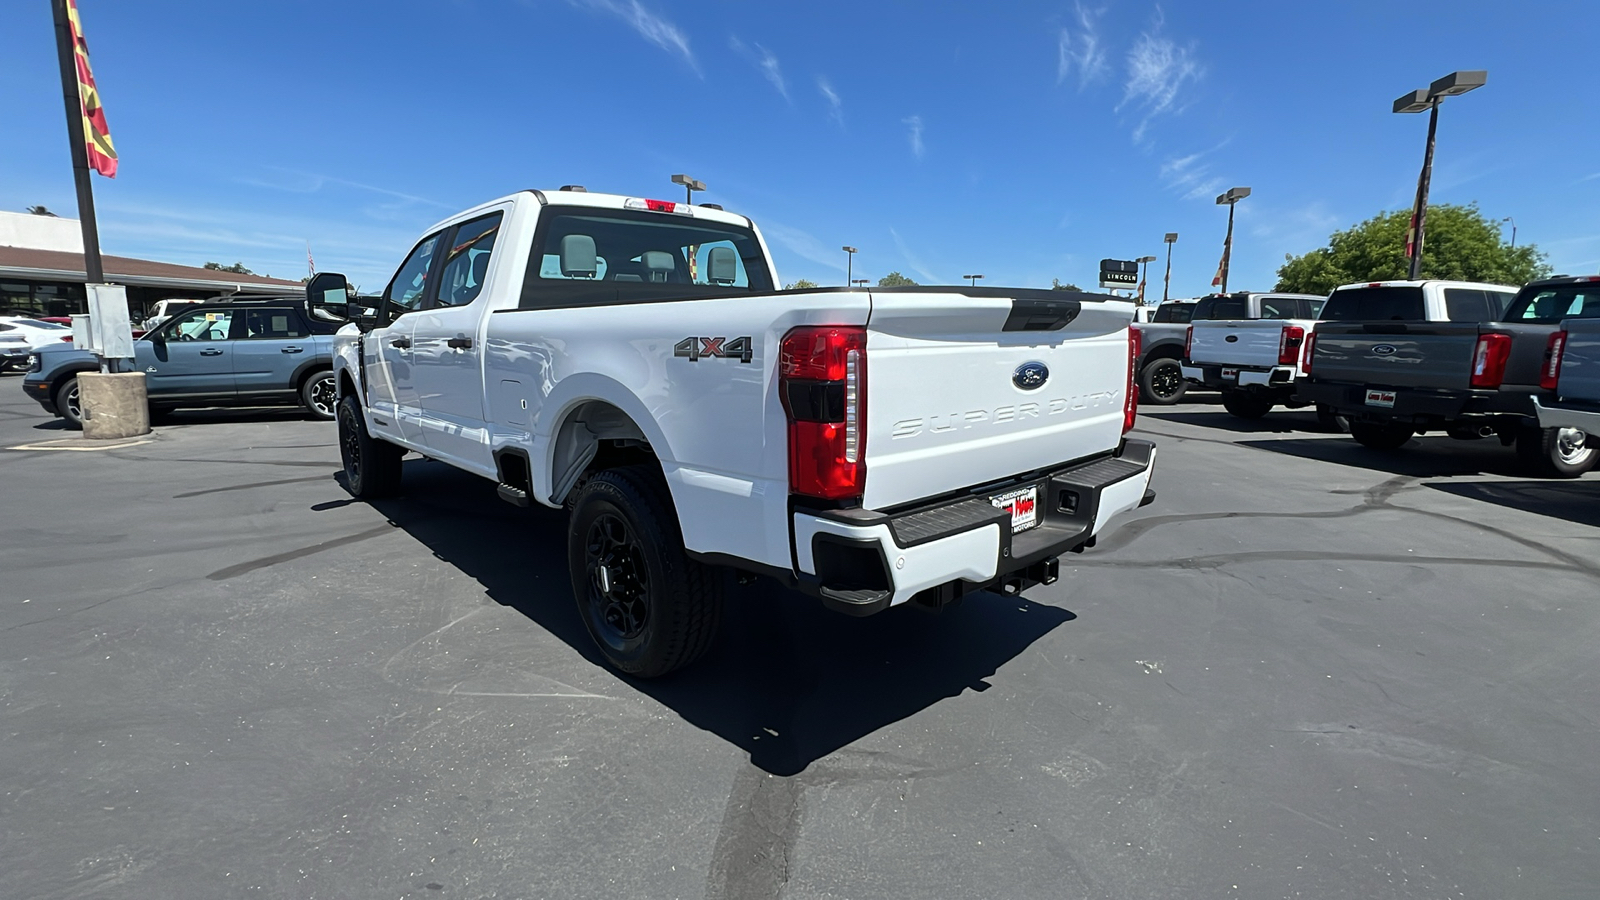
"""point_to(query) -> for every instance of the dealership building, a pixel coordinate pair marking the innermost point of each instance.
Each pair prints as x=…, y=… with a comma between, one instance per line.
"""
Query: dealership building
x=42, y=273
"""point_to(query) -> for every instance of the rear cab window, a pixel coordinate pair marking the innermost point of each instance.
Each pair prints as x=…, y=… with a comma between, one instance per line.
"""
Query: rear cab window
x=1217, y=308
x=1173, y=312
x=1371, y=304
x=593, y=256
x=1553, y=302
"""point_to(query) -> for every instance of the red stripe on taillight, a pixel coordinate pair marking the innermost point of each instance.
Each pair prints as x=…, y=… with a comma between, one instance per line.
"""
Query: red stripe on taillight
x=1188, y=342
x=1289, y=344
x=822, y=375
x=1311, y=348
x=1130, y=406
x=1550, y=375
x=1489, y=360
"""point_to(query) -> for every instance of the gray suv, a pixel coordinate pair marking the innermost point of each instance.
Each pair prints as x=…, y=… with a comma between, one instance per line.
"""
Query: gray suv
x=238, y=353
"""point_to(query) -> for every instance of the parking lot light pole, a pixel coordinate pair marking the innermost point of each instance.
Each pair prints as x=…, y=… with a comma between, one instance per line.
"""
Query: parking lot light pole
x=860, y=281
x=1232, y=196
x=1144, y=273
x=1166, y=283
x=1415, y=102
x=690, y=185
x=849, y=264
x=1513, y=230
x=973, y=279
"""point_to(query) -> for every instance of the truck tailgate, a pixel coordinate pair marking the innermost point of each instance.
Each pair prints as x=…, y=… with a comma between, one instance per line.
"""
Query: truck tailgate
x=945, y=405
x=1434, y=354
x=1580, y=364
x=1237, y=343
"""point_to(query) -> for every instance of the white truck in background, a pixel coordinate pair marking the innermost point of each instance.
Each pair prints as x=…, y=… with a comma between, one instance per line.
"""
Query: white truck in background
x=630, y=359
x=1249, y=346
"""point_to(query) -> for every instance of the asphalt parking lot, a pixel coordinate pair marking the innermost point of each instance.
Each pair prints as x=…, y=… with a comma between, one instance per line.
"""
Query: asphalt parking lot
x=1308, y=670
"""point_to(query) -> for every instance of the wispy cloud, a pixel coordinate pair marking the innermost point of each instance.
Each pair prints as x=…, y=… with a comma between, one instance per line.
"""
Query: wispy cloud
x=764, y=61
x=1588, y=178
x=912, y=260
x=1192, y=175
x=1158, y=69
x=835, y=105
x=650, y=26
x=803, y=245
x=1081, y=49
x=915, y=124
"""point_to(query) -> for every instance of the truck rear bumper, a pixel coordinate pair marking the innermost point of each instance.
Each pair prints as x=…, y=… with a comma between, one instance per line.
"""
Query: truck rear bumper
x=1247, y=377
x=1418, y=406
x=861, y=561
x=1584, y=419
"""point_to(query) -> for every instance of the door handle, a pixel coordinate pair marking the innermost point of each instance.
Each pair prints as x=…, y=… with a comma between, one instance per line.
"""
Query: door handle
x=459, y=343
x=291, y=350
x=210, y=352
x=401, y=343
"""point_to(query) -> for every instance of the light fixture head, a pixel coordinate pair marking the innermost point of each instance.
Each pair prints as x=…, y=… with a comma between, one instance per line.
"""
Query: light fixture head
x=1459, y=83
x=848, y=249
x=1414, y=102
x=681, y=179
x=1233, y=195
x=1172, y=237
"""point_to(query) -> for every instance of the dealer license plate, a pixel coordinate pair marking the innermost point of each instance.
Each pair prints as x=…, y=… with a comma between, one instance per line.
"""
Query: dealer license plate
x=1230, y=373
x=1022, y=504
x=1380, y=398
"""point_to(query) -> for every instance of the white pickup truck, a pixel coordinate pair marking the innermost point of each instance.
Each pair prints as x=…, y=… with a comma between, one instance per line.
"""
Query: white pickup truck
x=630, y=359
x=1248, y=346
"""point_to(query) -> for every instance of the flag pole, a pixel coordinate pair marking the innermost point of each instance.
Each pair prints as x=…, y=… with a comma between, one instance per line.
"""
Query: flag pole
x=94, y=272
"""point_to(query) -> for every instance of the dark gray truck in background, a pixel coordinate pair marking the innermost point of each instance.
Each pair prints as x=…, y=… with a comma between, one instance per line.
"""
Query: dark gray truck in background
x=1404, y=358
x=1161, y=342
x=1574, y=398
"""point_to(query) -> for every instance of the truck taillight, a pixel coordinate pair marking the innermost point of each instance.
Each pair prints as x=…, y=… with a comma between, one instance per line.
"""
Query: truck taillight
x=1551, y=373
x=1311, y=348
x=822, y=380
x=1289, y=344
x=1130, y=406
x=1489, y=360
x=1188, y=342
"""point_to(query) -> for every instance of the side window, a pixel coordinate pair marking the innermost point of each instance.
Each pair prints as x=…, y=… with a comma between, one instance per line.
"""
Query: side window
x=1501, y=301
x=410, y=285
x=1467, y=305
x=266, y=324
x=467, y=262
x=204, y=325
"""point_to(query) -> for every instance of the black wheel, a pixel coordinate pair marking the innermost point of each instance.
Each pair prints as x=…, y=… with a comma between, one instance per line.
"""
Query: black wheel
x=1330, y=419
x=320, y=394
x=1387, y=436
x=1161, y=382
x=68, y=404
x=161, y=414
x=1246, y=404
x=649, y=607
x=1556, y=452
x=371, y=466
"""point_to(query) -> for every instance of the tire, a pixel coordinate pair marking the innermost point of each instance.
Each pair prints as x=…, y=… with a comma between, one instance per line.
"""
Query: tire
x=1330, y=419
x=1161, y=382
x=68, y=406
x=371, y=466
x=159, y=414
x=320, y=394
x=1246, y=405
x=1556, y=452
x=649, y=608
x=1387, y=436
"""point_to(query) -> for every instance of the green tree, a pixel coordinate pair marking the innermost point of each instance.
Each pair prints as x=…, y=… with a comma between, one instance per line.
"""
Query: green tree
x=1460, y=245
x=801, y=285
x=235, y=269
x=1056, y=285
x=895, y=279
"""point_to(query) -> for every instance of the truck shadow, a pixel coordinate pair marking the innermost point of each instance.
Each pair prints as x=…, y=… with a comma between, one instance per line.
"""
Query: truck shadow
x=788, y=681
x=1426, y=457
x=1574, y=501
x=1278, y=421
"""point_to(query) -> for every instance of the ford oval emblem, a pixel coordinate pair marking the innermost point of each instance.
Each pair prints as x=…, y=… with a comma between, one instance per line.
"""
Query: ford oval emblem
x=1030, y=376
x=1385, y=349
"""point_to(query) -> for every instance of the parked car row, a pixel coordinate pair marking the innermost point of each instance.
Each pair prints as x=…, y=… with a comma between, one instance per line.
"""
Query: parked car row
x=1390, y=360
x=218, y=353
x=21, y=335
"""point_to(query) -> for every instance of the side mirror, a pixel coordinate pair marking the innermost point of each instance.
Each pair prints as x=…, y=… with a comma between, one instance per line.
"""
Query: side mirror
x=327, y=293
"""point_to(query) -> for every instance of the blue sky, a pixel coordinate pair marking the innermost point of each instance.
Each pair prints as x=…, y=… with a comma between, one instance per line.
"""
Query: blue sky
x=1021, y=140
